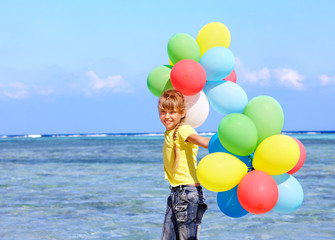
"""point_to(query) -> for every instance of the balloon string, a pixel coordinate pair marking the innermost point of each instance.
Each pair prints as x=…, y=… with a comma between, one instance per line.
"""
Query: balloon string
x=250, y=166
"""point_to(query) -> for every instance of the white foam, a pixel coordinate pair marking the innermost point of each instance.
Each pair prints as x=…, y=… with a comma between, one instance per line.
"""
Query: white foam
x=207, y=133
x=95, y=135
x=149, y=134
x=33, y=136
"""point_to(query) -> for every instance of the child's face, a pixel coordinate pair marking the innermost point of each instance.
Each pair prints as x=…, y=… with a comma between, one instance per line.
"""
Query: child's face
x=170, y=117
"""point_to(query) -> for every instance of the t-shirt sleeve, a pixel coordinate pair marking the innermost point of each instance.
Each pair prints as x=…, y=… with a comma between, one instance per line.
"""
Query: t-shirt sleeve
x=185, y=131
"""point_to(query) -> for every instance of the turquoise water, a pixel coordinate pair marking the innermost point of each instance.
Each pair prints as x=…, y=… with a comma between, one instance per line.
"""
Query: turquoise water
x=113, y=187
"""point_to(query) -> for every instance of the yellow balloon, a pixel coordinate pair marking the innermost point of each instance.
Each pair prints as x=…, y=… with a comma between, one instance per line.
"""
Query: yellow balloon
x=213, y=34
x=220, y=171
x=276, y=154
x=171, y=63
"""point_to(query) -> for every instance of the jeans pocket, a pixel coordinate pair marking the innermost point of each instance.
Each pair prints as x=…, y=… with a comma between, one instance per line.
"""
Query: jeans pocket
x=181, y=212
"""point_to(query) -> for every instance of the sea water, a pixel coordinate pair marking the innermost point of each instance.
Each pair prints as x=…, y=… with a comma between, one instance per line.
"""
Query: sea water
x=112, y=187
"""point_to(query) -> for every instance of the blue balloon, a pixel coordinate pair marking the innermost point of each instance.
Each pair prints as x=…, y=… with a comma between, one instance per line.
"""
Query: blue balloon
x=226, y=97
x=291, y=193
x=218, y=63
x=229, y=204
x=216, y=146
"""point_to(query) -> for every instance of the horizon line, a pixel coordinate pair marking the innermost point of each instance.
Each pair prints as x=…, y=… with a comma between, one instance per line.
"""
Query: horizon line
x=135, y=134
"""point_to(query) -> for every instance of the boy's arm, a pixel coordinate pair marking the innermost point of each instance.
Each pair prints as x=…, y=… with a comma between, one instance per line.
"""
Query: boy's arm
x=198, y=140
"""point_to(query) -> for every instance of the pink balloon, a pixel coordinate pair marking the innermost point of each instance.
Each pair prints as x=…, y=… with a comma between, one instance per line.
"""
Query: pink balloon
x=231, y=77
x=188, y=77
x=302, y=157
x=257, y=192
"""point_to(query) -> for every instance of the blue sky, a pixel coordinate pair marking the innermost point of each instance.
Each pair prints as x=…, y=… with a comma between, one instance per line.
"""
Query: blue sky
x=81, y=66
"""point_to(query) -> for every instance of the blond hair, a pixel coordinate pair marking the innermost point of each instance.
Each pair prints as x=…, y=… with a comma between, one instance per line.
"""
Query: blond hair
x=172, y=99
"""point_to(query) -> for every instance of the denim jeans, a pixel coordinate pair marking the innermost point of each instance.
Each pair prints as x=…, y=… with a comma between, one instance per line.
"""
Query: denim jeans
x=185, y=209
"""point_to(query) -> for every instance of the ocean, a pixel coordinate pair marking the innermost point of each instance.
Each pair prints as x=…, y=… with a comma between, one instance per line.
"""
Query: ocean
x=111, y=186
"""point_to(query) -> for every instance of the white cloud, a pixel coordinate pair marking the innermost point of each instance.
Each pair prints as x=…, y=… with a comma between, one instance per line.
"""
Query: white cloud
x=114, y=83
x=18, y=94
x=23, y=84
x=281, y=76
x=20, y=90
x=45, y=92
x=238, y=62
x=290, y=78
x=261, y=76
x=16, y=85
x=15, y=90
x=327, y=80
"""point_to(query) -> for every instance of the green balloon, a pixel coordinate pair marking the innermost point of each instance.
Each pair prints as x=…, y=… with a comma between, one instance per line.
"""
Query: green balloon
x=267, y=114
x=159, y=80
x=238, y=134
x=183, y=46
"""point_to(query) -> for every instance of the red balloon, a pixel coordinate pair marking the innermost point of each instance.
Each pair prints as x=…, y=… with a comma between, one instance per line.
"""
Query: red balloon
x=231, y=77
x=302, y=157
x=188, y=77
x=257, y=192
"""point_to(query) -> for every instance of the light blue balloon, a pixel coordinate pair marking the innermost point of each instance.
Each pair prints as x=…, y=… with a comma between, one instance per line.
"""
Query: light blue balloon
x=226, y=97
x=218, y=63
x=216, y=146
x=229, y=204
x=291, y=193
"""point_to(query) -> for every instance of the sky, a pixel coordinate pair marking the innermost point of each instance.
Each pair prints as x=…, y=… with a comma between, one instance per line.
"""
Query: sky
x=81, y=66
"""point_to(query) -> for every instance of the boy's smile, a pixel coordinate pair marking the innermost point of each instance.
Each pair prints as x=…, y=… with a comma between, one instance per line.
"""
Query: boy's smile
x=170, y=118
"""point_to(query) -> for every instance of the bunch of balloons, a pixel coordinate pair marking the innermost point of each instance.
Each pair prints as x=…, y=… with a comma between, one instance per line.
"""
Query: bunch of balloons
x=250, y=163
x=195, y=67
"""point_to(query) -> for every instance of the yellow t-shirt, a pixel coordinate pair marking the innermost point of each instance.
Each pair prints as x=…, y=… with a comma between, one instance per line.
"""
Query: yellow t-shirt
x=186, y=171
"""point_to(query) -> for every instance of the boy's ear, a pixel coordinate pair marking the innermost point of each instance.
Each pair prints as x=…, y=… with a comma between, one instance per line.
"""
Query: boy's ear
x=183, y=113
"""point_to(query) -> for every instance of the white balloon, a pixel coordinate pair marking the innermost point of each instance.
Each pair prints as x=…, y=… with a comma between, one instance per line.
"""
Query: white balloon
x=197, y=109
